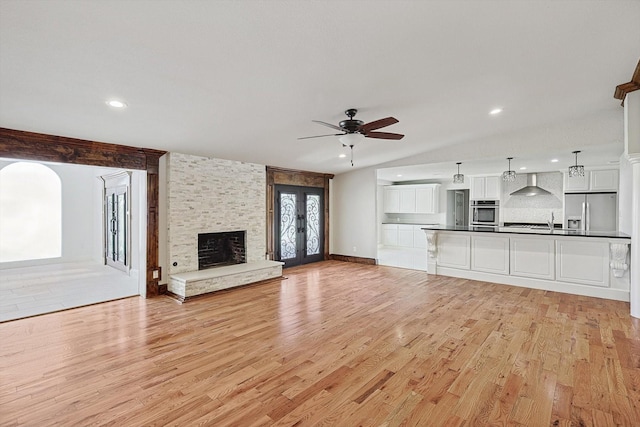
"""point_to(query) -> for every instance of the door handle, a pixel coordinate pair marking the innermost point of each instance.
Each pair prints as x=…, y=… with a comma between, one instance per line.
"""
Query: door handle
x=300, y=223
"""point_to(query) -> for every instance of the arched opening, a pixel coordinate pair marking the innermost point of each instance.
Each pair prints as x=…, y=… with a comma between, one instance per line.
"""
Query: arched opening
x=30, y=212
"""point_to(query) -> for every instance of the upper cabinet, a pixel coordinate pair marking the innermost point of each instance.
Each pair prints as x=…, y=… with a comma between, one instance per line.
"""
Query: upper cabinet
x=485, y=188
x=593, y=180
x=422, y=198
x=391, y=199
x=603, y=180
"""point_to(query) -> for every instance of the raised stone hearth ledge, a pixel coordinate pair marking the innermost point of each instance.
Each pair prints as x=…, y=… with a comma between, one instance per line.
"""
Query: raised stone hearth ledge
x=193, y=283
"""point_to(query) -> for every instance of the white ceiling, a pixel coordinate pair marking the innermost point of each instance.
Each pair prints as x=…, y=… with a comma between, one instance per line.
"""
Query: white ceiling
x=242, y=80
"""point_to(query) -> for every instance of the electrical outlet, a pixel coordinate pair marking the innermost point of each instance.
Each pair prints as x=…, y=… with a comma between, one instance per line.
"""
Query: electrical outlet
x=354, y=249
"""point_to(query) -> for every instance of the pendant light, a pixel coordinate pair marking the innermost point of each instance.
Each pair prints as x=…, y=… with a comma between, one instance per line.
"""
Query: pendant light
x=509, y=175
x=458, y=178
x=576, y=170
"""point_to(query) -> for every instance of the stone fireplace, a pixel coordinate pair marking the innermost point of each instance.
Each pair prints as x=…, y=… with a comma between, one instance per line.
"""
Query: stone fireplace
x=218, y=249
x=212, y=197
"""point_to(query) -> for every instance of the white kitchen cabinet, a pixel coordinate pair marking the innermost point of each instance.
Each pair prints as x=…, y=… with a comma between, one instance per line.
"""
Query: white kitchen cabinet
x=454, y=250
x=485, y=188
x=428, y=198
x=419, y=237
x=390, y=234
x=576, y=183
x=407, y=199
x=603, y=180
x=532, y=257
x=423, y=198
x=490, y=254
x=391, y=199
x=405, y=235
x=585, y=262
x=592, y=180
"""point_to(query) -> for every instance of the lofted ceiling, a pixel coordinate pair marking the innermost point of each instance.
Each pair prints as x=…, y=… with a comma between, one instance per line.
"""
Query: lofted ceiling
x=242, y=80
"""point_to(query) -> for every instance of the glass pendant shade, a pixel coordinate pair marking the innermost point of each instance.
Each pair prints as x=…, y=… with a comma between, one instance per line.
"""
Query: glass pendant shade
x=576, y=170
x=458, y=178
x=509, y=175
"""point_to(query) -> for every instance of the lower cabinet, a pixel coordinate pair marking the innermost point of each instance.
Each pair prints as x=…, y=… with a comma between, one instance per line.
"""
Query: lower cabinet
x=532, y=257
x=585, y=262
x=454, y=250
x=490, y=254
x=419, y=237
x=581, y=265
x=390, y=234
x=405, y=235
x=405, y=245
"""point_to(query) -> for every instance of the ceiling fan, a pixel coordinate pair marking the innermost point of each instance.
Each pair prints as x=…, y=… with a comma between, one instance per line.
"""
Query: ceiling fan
x=354, y=130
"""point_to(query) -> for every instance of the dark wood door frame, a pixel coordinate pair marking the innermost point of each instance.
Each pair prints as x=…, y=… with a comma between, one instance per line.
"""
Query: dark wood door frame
x=298, y=178
x=16, y=144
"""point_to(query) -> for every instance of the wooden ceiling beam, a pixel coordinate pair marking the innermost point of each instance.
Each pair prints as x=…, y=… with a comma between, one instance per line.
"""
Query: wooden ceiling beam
x=624, y=88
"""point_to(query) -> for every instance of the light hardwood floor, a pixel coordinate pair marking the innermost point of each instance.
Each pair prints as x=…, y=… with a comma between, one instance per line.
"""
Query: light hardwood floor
x=335, y=344
x=29, y=291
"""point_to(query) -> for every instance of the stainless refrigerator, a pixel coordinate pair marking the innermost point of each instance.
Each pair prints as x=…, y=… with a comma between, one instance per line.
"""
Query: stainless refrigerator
x=591, y=211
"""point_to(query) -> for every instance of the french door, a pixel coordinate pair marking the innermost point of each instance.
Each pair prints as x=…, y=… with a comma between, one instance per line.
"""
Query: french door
x=116, y=220
x=299, y=224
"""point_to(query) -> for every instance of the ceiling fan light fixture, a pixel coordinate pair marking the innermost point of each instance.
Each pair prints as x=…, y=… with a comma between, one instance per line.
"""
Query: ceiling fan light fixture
x=509, y=175
x=458, y=178
x=576, y=170
x=351, y=139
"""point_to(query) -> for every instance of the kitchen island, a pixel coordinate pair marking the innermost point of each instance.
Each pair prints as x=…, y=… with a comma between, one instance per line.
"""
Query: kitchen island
x=591, y=263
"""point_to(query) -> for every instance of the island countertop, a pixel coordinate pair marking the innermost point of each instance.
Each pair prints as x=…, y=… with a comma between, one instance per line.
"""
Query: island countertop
x=535, y=231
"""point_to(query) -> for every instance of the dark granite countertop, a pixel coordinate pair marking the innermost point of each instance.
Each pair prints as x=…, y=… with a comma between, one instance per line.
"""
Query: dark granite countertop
x=409, y=223
x=536, y=231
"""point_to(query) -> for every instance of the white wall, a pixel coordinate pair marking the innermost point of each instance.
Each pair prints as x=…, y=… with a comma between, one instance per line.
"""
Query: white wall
x=353, y=214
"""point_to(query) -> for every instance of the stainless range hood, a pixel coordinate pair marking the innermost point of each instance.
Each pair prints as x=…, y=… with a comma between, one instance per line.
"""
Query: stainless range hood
x=532, y=188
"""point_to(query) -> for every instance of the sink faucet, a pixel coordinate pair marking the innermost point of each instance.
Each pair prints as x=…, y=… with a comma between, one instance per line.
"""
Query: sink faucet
x=550, y=223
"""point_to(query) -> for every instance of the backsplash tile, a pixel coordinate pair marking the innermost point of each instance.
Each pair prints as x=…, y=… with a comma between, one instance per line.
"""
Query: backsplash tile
x=535, y=209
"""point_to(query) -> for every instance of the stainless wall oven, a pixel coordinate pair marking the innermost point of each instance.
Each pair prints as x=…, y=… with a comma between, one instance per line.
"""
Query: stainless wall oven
x=484, y=212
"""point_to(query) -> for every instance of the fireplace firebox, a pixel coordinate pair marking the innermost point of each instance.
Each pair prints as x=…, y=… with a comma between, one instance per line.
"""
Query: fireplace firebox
x=217, y=249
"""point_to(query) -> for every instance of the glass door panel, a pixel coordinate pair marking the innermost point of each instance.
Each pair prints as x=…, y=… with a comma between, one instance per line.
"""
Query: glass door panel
x=121, y=228
x=313, y=224
x=288, y=231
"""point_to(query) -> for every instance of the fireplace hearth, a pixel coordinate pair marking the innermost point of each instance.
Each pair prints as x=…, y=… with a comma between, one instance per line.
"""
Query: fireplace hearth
x=217, y=249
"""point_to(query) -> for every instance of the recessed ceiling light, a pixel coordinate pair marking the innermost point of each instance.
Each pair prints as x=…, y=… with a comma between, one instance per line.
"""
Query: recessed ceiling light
x=554, y=160
x=116, y=104
x=523, y=168
x=342, y=156
x=399, y=175
x=495, y=111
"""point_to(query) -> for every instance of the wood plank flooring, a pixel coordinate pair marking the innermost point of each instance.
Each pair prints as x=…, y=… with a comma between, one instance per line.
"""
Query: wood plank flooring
x=335, y=344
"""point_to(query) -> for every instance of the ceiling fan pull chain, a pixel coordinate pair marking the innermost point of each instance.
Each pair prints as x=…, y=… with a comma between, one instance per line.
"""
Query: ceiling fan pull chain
x=351, y=146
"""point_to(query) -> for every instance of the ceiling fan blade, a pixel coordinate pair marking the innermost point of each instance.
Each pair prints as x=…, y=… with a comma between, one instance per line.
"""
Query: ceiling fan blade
x=384, y=135
x=377, y=124
x=327, y=124
x=321, y=136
